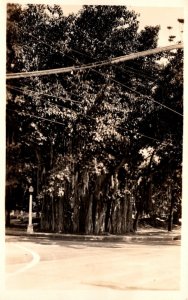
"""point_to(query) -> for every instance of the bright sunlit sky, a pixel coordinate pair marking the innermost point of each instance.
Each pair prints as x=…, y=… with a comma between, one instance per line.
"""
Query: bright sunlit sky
x=163, y=16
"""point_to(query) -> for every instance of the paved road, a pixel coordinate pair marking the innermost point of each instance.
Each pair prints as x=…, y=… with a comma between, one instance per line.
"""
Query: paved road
x=108, y=269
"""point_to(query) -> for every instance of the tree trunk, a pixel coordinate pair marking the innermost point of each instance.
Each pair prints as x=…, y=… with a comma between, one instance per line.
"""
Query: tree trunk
x=37, y=190
x=53, y=214
x=129, y=222
x=94, y=207
x=100, y=216
x=7, y=218
x=170, y=218
x=46, y=217
x=135, y=223
x=123, y=215
x=75, y=217
x=119, y=218
x=89, y=222
x=61, y=216
x=107, y=216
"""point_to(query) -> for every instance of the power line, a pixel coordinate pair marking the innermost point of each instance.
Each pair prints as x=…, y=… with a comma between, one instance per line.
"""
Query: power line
x=134, y=91
x=41, y=94
x=93, y=65
x=83, y=54
x=140, y=94
x=137, y=72
x=122, y=84
x=128, y=68
x=76, y=51
x=87, y=117
x=65, y=99
x=60, y=123
x=33, y=93
x=37, y=117
x=145, y=136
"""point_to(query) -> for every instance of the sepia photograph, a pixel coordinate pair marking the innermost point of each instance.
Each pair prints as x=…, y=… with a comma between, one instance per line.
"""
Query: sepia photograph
x=94, y=122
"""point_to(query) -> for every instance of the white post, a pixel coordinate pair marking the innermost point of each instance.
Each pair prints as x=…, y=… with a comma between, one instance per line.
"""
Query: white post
x=30, y=225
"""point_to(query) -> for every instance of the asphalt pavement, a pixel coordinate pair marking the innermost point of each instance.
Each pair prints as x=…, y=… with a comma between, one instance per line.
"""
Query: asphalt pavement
x=47, y=268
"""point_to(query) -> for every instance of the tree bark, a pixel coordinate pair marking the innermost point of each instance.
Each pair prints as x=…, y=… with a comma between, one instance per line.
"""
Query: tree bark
x=89, y=222
x=123, y=215
x=61, y=216
x=129, y=223
x=7, y=218
x=170, y=218
x=135, y=223
x=107, y=216
x=53, y=214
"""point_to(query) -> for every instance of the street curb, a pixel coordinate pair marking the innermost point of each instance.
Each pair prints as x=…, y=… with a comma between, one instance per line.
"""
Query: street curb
x=93, y=238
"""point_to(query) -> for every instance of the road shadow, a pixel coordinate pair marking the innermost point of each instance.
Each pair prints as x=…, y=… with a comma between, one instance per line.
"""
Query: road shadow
x=92, y=243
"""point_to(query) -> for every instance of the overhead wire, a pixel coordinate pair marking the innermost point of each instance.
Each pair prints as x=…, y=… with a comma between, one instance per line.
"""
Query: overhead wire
x=36, y=117
x=84, y=54
x=33, y=93
x=87, y=117
x=145, y=136
x=79, y=52
x=140, y=94
x=18, y=75
x=128, y=68
x=134, y=91
x=93, y=65
x=139, y=72
x=41, y=94
x=55, y=50
x=114, y=81
x=60, y=123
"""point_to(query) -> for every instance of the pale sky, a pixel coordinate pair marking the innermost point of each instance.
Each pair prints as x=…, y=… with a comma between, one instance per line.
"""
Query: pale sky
x=163, y=16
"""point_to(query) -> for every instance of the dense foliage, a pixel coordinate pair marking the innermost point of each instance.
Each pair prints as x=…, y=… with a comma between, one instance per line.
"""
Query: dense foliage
x=95, y=144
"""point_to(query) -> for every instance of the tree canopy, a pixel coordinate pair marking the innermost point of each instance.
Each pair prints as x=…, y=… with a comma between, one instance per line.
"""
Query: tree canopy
x=91, y=142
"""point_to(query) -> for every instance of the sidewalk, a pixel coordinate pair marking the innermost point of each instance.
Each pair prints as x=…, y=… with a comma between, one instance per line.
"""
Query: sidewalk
x=150, y=234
